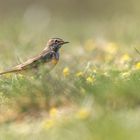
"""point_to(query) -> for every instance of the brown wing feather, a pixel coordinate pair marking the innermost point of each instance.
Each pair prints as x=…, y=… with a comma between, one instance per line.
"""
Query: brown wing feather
x=30, y=63
x=33, y=62
x=27, y=64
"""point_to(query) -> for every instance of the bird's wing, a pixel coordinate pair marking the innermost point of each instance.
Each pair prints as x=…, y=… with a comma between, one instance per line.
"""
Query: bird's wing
x=27, y=64
x=35, y=61
x=43, y=57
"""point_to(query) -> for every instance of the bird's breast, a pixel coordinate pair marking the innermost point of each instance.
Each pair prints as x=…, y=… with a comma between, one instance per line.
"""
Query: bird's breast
x=54, y=61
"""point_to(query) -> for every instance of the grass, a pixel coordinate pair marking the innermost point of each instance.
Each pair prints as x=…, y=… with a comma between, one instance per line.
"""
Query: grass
x=93, y=92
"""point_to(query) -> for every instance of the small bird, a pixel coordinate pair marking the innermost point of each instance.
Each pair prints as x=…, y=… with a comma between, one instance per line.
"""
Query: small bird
x=49, y=55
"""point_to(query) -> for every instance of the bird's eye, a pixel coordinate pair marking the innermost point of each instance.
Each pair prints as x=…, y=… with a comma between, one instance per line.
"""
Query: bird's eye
x=56, y=41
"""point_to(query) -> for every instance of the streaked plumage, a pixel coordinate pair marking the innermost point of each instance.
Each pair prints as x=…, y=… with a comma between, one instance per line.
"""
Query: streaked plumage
x=49, y=55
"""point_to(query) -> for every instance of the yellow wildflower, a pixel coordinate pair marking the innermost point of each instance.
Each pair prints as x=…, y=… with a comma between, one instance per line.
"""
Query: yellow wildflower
x=125, y=74
x=106, y=74
x=53, y=112
x=83, y=113
x=79, y=74
x=125, y=58
x=66, y=71
x=90, y=80
x=94, y=70
x=111, y=48
x=48, y=124
x=32, y=78
x=137, y=66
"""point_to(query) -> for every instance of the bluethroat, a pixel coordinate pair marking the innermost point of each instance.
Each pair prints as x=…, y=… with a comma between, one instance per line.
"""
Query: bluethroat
x=49, y=55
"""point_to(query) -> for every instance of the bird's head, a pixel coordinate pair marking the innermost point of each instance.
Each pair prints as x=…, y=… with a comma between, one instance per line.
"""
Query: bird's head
x=55, y=44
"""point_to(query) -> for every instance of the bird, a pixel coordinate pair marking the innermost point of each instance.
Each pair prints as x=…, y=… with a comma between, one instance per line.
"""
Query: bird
x=49, y=56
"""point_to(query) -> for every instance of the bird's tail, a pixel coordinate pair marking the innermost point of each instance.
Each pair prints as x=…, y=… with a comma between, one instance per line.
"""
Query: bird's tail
x=9, y=71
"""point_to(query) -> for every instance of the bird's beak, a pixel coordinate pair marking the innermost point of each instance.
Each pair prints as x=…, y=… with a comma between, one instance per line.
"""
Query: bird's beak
x=64, y=42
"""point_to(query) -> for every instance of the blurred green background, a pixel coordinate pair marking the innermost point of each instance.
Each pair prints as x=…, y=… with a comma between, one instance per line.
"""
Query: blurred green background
x=75, y=18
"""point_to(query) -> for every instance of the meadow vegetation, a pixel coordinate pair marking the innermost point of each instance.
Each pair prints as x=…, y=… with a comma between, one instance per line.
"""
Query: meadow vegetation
x=92, y=93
